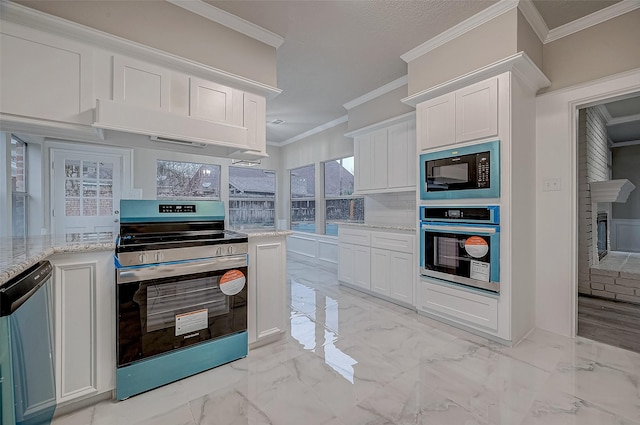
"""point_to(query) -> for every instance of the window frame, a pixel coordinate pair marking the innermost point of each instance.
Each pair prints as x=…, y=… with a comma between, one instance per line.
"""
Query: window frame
x=18, y=195
x=313, y=198
x=327, y=198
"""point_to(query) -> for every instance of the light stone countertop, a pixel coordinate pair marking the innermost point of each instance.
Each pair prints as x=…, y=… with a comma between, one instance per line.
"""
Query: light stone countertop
x=264, y=233
x=17, y=256
x=378, y=226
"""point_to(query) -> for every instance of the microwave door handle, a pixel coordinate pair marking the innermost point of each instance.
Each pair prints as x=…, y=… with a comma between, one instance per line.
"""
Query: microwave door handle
x=481, y=231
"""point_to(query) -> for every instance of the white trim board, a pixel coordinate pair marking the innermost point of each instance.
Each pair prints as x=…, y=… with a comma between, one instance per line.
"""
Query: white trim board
x=311, y=132
x=233, y=22
x=402, y=81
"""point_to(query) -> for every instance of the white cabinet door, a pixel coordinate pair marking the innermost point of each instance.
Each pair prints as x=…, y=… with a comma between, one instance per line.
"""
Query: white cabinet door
x=214, y=102
x=380, y=271
x=379, y=143
x=141, y=84
x=436, y=122
x=477, y=111
x=362, y=162
x=254, y=119
x=269, y=257
x=401, y=155
x=346, y=263
x=84, y=304
x=401, y=275
x=362, y=267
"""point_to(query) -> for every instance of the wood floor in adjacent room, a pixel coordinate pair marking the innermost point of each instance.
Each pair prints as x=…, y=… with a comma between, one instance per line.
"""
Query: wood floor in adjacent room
x=611, y=322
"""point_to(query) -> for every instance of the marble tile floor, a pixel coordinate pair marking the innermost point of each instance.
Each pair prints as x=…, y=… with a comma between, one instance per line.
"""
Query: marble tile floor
x=350, y=359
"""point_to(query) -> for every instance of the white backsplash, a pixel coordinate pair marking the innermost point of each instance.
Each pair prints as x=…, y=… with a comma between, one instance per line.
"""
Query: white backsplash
x=397, y=209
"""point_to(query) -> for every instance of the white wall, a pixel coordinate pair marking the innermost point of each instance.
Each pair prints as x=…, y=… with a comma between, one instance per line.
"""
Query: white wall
x=556, y=213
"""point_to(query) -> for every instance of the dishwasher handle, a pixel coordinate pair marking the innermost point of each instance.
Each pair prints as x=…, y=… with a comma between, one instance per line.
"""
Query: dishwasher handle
x=18, y=290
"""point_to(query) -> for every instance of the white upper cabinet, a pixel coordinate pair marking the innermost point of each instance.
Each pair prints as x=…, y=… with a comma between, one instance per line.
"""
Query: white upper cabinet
x=477, y=111
x=44, y=77
x=436, y=124
x=215, y=102
x=141, y=84
x=464, y=115
x=385, y=159
x=254, y=119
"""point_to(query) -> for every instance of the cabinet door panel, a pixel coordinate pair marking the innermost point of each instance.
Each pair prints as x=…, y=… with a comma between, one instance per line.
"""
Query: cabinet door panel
x=477, y=111
x=399, y=154
x=362, y=162
x=346, y=263
x=270, y=287
x=362, y=266
x=380, y=271
x=401, y=275
x=436, y=122
x=254, y=120
x=379, y=159
x=141, y=84
x=215, y=102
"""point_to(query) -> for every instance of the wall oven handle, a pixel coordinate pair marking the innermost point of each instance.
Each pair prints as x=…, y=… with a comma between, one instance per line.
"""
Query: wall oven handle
x=481, y=231
x=158, y=271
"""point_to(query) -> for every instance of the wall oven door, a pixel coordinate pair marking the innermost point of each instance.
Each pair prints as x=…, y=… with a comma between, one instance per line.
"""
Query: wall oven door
x=169, y=306
x=464, y=254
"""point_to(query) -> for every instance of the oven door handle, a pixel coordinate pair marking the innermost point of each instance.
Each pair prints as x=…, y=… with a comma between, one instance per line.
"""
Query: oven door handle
x=182, y=268
x=480, y=231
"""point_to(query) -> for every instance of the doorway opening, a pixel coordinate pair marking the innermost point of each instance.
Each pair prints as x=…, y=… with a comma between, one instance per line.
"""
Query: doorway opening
x=608, y=306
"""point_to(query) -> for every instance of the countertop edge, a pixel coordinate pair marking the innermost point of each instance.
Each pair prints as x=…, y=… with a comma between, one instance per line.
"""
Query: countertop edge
x=379, y=226
x=266, y=233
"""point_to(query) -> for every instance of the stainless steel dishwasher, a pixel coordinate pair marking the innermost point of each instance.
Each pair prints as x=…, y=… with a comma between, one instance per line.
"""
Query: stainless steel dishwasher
x=27, y=379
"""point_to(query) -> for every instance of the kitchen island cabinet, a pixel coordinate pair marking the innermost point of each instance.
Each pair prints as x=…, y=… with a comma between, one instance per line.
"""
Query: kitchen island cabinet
x=267, y=312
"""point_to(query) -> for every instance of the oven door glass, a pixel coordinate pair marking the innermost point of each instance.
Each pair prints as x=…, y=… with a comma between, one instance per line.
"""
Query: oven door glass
x=465, y=257
x=156, y=316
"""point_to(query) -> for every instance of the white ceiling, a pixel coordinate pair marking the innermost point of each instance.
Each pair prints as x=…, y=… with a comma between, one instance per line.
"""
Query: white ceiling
x=336, y=51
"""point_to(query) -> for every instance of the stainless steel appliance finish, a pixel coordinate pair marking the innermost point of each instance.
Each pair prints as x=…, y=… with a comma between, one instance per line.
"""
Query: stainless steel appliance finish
x=181, y=290
x=461, y=245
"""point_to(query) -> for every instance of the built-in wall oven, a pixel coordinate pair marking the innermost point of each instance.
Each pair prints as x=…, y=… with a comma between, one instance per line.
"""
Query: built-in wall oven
x=461, y=245
x=463, y=172
x=181, y=293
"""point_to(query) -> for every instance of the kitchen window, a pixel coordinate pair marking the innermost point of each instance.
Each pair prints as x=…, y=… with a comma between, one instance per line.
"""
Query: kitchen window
x=340, y=204
x=19, y=195
x=187, y=180
x=303, y=198
x=252, y=198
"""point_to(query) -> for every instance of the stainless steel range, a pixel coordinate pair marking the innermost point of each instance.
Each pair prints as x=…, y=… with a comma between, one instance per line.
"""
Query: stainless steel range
x=181, y=291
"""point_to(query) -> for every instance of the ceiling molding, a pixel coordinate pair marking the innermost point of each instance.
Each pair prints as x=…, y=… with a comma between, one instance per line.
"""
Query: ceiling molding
x=382, y=124
x=595, y=18
x=402, y=81
x=519, y=64
x=623, y=120
x=311, y=132
x=463, y=27
x=230, y=21
x=531, y=14
x=623, y=144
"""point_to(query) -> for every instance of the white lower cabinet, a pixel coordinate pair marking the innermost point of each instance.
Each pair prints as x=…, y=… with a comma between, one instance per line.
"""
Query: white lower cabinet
x=84, y=325
x=267, y=313
x=379, y=262
x=467, y=307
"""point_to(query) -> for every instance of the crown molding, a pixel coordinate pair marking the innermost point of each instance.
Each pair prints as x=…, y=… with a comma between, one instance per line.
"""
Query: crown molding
x=465, y=26
x=520, y=64
x=230, y=21
x=595, y=18
x=531, y=14
x=35, y=19
x=402, y=81
x=622, y=120
x=382, y=124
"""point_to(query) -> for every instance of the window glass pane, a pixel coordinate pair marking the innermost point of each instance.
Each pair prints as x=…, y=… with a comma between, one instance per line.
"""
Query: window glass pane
x=187, y=180
x=252, y=197
x=18, y=165
x=19, y=215
x=303, y=204
x=338, y=177
x=349, y=209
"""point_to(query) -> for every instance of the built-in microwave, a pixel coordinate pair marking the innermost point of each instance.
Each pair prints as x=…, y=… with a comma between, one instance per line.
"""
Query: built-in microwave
x=461, y=173
x=461, y=245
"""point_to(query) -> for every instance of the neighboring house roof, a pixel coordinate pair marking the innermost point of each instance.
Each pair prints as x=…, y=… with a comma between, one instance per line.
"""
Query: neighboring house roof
x=253, y=185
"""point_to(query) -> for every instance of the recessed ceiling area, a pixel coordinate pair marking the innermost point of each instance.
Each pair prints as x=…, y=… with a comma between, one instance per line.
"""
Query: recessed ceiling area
x=624, y=125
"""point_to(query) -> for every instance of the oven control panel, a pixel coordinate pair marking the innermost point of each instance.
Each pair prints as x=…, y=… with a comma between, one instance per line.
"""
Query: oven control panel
x=140, y=258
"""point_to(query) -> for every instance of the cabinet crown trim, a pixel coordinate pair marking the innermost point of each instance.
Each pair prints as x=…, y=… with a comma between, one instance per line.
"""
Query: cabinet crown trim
x=35, y=19
x=382, y=124
x=519, y=63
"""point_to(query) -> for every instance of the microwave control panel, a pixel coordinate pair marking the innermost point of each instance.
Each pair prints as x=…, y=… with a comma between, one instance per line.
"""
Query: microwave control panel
x=483, y=169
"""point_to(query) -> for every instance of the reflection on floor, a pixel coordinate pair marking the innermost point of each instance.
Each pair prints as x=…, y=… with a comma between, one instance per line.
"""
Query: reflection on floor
x=350, y=359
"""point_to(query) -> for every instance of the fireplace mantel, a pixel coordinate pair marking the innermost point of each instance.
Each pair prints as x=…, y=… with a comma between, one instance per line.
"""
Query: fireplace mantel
x=611, y=190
